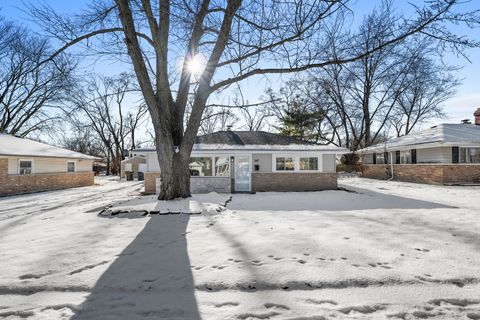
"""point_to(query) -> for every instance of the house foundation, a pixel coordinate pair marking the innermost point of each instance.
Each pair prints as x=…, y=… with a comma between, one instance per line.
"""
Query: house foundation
x=426, y=173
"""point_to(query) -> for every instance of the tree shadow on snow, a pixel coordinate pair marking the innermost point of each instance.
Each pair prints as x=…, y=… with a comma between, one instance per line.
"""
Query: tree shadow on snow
x=150, y=279
x=331, y=200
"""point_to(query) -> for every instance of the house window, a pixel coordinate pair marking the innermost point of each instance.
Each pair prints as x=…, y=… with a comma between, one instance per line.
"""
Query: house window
x=469, y=155
x=380, y=158
x=405, y=157
x=310, y=164
x=25, y=167
x=284, y=164
x=200, y=166
x=71, y=166
x=222, y=166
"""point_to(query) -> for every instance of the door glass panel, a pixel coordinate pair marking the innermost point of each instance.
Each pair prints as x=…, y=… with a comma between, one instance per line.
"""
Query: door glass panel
x=242, y=174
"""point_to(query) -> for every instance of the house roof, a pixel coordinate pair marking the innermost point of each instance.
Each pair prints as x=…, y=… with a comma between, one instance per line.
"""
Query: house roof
x=254, y=141
x=443, y=134
x=14, y=146
x=135, y=160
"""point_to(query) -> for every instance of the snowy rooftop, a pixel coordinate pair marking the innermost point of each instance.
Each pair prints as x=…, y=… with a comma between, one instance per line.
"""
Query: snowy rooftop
x=254, y=141
x=14, y=146
x=445, y=134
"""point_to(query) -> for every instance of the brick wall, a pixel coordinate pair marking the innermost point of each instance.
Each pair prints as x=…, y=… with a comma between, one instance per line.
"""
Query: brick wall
x=426, y=173
x=378, y=171
x=16, y=184
x=294, y=181
x=151, y=182
x=469, y=173
x=210, y=184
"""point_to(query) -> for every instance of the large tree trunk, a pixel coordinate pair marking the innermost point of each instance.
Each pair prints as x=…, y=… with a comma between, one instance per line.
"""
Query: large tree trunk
x=175, y=177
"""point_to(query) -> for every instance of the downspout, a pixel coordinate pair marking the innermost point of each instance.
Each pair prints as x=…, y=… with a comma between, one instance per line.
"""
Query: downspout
x=391, y=167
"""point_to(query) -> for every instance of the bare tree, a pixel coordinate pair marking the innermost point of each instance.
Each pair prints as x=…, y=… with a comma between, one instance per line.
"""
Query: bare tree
x=236, y=40
x=31, y=92
x=397, y=84
x=102, y=103
x=421, y=97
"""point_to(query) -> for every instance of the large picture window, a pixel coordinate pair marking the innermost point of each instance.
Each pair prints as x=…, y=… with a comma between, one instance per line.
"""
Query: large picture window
x=222, y=166
x=200, y=166
x=310, y=164
x=469, y=155
x=405, y=157
x=284, y=164
x=380, y=158
x=25, y=167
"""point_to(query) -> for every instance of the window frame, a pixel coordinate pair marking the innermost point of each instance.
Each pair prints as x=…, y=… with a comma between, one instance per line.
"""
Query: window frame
x=402, y=152
x=309, y=170
x=467, y=154
x=380, y=155
x=214, y=168
x=32, y=166
x=74, y=166
x=296, y=162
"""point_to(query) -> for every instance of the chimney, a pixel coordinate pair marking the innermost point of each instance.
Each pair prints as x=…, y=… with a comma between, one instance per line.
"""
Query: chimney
x=477, y=117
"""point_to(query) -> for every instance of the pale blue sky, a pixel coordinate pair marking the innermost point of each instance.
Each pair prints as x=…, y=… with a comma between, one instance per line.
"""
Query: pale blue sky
x=461, y=106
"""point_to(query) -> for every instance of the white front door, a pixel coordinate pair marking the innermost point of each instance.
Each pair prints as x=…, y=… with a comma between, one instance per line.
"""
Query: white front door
x=242, y=173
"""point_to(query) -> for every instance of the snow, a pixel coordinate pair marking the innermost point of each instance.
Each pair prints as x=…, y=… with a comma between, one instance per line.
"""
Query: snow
x=386, y=250
x=446, y=133
x=14, y=146
x=269, y=147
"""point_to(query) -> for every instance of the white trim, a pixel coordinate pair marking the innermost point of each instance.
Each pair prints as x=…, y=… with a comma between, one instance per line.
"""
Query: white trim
x=25, y=159
x=212, y=157
x=296, y=161
x=74, y=165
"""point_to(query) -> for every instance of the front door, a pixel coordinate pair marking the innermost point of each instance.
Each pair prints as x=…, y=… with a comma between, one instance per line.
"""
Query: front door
x=242, y=173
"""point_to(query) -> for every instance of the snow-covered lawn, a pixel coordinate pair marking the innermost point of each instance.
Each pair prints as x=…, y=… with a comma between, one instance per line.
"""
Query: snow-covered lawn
x=387, y=250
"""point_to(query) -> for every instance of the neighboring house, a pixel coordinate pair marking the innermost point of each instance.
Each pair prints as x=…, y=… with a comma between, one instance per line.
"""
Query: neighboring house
x=134, y=164
x=29, y=166
x=246, y=161
x=442, y=154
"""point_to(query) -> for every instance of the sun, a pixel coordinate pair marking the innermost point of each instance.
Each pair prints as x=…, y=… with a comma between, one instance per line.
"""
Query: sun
x=196, y=65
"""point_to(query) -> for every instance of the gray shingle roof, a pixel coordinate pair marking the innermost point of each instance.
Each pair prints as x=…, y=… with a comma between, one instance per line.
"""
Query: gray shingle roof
x=245, y=138
x=254, y=141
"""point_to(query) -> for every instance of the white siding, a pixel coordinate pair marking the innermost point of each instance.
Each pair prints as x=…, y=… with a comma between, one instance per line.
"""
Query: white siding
x=264, y=160
x=434, y=155
x=152, y=162
x=84, y=166
x=328, y=163
x=12, y=165
x=50, y=165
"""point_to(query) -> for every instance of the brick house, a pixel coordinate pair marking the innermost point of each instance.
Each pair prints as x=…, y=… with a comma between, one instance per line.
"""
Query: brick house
x=31, y=166
x=245, y=161
x=442, y=154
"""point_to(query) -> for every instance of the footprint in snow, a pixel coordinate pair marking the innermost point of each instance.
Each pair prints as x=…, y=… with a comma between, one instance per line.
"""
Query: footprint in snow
x=227, y=304
x=315, y=301
x=270, y=305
